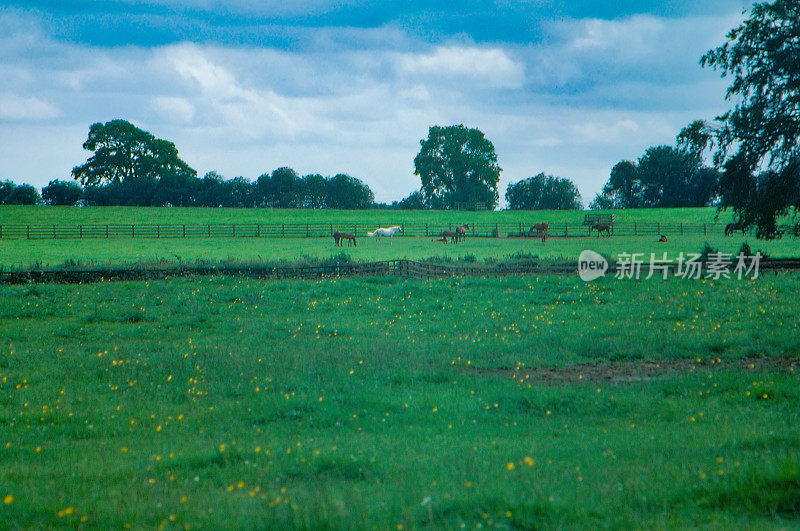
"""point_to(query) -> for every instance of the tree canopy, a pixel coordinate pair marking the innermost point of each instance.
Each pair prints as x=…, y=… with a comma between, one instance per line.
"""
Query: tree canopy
x=457, y=165
x=663, y=176
x=757, y=142
x=123, y=152
x=543, y=192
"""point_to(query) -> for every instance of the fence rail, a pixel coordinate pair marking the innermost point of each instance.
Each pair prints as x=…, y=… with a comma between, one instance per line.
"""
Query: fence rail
x=318, y=230
x=397, y=268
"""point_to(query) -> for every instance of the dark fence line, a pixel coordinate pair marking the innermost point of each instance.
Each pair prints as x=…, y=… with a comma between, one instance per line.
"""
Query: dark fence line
x=316, y=230
x=397, y=268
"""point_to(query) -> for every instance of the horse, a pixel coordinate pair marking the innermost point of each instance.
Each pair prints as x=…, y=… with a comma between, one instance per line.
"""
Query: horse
x=601, y=227
x=730, y=228
x=337, y=238
x=453, y=235
x=388, y=232
x=349, y=237
x=461, y=232
x=662, y=239
x=541, y=230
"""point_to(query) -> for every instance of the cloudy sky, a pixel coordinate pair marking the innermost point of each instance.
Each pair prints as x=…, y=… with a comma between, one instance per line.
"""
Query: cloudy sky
x=243, y=87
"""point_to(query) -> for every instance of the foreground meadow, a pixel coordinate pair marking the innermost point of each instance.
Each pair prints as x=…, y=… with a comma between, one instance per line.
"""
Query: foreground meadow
x=220, y=402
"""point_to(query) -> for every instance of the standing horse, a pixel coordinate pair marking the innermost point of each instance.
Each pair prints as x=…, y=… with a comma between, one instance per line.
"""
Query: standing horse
x=453, y=235
x=461, y=232
x=601, y=227
x=388, y=232
x=351, y=238
x=541, y=230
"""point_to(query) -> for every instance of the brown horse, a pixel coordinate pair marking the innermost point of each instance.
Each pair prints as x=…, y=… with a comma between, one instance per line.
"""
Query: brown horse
x=730, y=228
x=351, y=239
x=601, y=227
x=461, y=232
x=662, y=239
x=337, y=238
x=541, y=230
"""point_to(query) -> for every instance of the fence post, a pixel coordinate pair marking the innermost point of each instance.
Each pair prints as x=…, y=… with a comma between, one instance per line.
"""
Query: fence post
x=681, y=228
x=234, y=230
x=28, y=233
x=566, y=230
x=426, y=229
x=307, y=234
x=184, y=230
x=332, y=235
x=258, y=230
x=54, y=232
x=158, y=231
x=80, y=228
x=403, y=228
x=133, y=231
x=106, y=232
x=659, y=227
x=634, y=229
x=283, y=230
x=1, y=232
x=209, y=230
x=704, y=229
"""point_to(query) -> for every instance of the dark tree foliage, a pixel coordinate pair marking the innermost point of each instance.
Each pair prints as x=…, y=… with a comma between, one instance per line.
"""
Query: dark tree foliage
x=457, y=165
x=757, y=142
x=62, y=193
x=23, y=194
x=663, y=177
x=6, y=188
x=414, y=201
x=123, y=152
x=314, y=191
x=346, y=192
x=543, y=192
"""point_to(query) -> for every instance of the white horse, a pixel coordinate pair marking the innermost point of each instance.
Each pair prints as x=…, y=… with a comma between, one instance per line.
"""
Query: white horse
x=388, y=232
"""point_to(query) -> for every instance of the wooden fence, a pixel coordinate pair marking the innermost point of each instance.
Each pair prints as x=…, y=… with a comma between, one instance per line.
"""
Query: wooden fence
x=317, y=230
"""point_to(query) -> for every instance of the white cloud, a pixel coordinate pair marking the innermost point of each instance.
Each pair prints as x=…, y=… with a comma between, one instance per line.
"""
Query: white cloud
x=488, y=67
x=14, y=107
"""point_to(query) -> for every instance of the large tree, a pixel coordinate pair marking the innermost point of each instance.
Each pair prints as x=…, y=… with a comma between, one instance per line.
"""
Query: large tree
x=543, y=192
x=663, y=176
x=123, y=152
x=757, y=142
x=64, y=193
x=457, y=165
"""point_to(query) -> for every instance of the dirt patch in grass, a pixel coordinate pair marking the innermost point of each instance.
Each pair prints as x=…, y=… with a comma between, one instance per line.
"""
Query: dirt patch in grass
x=639, y=370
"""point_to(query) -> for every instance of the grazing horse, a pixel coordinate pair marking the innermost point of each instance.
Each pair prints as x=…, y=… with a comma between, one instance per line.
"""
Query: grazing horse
x=541, y=230
x=337, y=238
x=662, y=239
x=388, y=232
x=351, y=239
x=461, y=232
x=601, y=227
x=730, y=228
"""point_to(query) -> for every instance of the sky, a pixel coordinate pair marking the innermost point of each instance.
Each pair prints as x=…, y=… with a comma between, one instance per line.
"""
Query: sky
x=568, y=88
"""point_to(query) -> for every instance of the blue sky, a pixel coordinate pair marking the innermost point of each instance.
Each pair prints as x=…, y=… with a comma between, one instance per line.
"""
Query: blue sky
x=568, y=88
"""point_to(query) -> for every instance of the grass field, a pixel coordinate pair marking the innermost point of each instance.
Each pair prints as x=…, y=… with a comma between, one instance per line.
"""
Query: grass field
x=217, y=402
x=21, y=253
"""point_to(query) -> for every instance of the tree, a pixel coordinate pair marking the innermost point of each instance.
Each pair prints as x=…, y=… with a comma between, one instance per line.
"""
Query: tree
x=62, y=193
x=6, y=188
x=457, y=165
x=758, y=141
x=123, y=152
x=663, y=176
x=414, y=201
x=543, y=192
x=24, y=194
x=313, y=191
x=346, y=192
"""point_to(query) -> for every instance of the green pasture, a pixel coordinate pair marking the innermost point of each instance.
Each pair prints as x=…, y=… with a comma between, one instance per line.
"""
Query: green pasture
x=125, y=215
x=388, y=403
x=22, y=253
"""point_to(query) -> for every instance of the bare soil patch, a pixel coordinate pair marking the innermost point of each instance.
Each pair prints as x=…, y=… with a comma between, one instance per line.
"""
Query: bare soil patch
x=640, y=370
